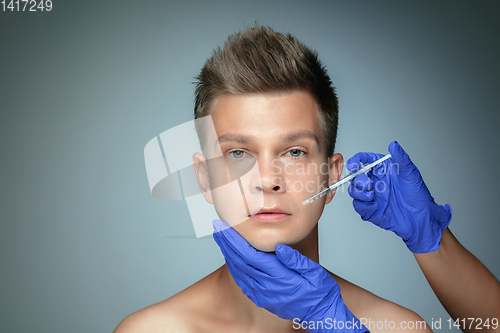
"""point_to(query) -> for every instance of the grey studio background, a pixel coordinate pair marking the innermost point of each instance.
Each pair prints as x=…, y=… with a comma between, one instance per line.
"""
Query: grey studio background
x=83, y=88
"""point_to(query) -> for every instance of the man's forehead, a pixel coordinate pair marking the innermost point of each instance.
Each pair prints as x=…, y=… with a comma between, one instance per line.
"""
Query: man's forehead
x=296, y=111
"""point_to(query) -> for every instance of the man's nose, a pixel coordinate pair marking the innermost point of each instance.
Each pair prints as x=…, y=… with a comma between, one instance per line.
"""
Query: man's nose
x=271, y=174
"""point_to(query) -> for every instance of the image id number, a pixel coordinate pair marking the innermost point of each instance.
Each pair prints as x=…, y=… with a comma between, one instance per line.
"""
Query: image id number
x=26, y=5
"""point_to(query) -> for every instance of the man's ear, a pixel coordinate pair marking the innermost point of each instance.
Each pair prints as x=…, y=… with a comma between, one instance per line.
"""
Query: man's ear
x=335, y=165
x=201, y=170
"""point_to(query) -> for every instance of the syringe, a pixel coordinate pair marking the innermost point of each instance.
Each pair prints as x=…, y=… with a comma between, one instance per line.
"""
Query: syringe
x=344, y=180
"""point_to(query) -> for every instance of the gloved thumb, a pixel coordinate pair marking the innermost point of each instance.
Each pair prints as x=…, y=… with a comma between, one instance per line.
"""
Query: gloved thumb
x=401, y=160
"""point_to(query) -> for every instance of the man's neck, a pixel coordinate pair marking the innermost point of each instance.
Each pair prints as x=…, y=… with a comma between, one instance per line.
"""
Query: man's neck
x=245, y=310
x=309, y=246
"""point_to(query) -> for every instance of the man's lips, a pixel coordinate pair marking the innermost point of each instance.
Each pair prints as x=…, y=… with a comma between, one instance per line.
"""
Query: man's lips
x=271, y=214
x=271, y=210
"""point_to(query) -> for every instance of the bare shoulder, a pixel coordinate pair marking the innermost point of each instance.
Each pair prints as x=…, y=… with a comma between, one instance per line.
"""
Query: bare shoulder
x=151, y=319
x=174, y=314
x=378, y=314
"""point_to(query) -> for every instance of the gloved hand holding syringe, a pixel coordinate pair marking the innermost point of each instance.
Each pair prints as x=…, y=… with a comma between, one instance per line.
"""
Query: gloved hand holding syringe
x=404, y=205
x=344, y=180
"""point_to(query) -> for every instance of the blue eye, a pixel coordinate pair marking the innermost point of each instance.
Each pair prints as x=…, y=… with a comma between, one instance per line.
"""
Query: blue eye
x=296, y=153
x=237, y=154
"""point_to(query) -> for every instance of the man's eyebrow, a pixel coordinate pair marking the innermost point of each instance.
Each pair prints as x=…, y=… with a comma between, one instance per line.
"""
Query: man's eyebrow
x=234, y=138
x=242, y=139
x=300, y=135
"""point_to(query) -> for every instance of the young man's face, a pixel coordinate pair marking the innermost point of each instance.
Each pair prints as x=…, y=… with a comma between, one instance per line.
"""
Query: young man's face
x=281, y=133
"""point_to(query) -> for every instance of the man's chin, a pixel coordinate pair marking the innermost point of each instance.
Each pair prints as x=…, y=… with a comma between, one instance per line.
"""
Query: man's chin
x=266, y=239
x=267, y=245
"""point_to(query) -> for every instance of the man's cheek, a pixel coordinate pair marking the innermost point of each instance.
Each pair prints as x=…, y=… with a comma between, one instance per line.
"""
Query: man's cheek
x=314, y=184
x=310, y=186
x=229, y=203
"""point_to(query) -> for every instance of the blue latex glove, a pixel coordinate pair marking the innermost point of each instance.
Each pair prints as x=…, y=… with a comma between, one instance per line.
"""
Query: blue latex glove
x=398, y=200
x=287, y=284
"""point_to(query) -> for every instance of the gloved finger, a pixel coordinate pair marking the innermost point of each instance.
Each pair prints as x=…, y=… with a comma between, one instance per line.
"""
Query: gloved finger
x=235, y=258
x=238, y=249
x=248, y=285
x=361, y=159
x=228, y=257
x=241, y=271
x=382, y=186
x=365, y=209
x=359, y=194
x=307, y=268
x=253, y=262
x=246, y=282
x=229, y=254
x=362, y=182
